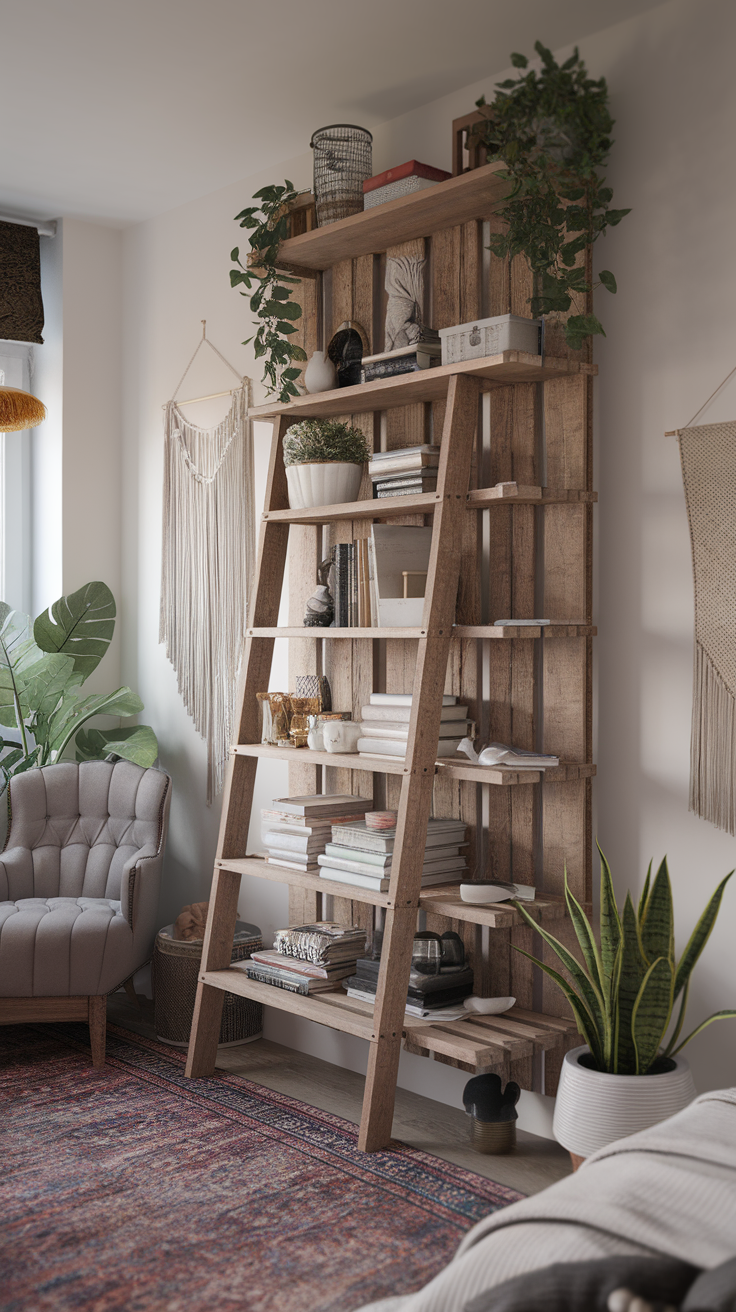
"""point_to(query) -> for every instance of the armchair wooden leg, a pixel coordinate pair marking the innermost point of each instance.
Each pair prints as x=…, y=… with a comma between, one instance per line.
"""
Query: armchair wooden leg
x=97, y=1017
x=133, y=996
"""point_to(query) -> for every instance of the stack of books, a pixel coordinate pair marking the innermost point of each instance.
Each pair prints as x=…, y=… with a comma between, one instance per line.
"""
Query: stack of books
x=294, y=830
x=353, y=584
x=404, y=472
x=427, y=995
x=422, y=354
x=386, y=725
x=308, y=958
x=363, y=857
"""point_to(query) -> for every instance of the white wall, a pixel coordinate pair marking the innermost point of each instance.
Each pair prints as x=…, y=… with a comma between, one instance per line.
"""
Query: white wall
x=669, y=343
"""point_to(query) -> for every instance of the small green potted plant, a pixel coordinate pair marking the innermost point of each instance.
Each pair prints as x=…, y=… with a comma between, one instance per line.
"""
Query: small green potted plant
x=324, y=462
x=628, y=1075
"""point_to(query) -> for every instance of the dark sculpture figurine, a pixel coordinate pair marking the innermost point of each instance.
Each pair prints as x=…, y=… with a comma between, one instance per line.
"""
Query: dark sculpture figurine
x=321, y=607
x=484, y=1100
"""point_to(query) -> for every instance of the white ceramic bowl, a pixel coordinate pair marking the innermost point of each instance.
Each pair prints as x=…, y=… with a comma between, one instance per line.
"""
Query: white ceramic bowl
x=326, y=484
x=594, y=1109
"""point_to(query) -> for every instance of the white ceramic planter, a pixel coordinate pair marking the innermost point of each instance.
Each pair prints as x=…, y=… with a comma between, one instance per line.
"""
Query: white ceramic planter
x=594, y=1109
x=326, y=484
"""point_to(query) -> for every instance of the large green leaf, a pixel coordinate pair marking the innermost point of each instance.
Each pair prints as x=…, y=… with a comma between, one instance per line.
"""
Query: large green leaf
x=651, y=1013
x=16, y=646
x=137, y=744
x=80, y=625
x=633, y=970
x=585, y=1022
x=697, y=942
x=644, y=894
x=64, y=725
x=700, y=936
x=589, y=994
x=44, y=683
x=610, y=920
x=717, y=1015
x=584, y=935
x=657, y=928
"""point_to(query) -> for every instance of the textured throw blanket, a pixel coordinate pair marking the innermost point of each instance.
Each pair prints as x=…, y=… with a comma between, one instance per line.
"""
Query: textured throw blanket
x=708, y=457
x=667, y=1192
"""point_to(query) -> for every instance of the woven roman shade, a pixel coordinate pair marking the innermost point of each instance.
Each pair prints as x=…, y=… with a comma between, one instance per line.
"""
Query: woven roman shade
x=21, y=306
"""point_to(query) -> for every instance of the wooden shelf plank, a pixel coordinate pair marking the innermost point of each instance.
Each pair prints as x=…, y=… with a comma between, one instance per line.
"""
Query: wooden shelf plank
x=565, y=772
x=262, y=869
x=483, y=498
x=473, y=195
x=424, y=503
x=341, y=760
x=336, y=633
x=333, y=1009
x=485, y=631
x=425, y=385
x=445, y=901
x=485, y=1042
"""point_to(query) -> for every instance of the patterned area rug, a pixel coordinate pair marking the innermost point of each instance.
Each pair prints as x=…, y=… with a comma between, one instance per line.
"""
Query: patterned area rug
x=133, y=1188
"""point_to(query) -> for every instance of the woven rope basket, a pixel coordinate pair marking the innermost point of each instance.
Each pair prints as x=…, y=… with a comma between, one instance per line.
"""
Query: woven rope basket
x=175, y=973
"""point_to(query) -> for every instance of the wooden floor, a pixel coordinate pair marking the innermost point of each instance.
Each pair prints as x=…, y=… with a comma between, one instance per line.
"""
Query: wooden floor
x=431, y=1126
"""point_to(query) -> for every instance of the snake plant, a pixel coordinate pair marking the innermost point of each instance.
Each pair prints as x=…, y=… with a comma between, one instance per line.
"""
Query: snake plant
x=624, y=996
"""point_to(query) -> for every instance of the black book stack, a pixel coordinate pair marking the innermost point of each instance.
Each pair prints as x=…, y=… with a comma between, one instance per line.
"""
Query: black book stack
x=427, y=993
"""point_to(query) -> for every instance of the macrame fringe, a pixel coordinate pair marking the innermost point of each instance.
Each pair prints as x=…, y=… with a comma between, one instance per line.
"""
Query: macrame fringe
x=207, y=558
x=712, y=742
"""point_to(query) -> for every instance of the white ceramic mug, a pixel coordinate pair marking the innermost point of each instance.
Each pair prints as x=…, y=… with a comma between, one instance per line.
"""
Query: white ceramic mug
x=341, y=735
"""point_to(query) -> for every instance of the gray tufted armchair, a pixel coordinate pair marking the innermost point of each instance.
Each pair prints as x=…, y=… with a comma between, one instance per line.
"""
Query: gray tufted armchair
x=79, y=888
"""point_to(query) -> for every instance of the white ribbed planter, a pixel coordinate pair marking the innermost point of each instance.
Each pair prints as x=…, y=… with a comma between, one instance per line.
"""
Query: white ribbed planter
x=328, y=483
x=594, y=1109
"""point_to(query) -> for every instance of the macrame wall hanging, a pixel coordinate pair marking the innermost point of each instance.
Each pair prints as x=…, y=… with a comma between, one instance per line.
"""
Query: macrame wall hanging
x=708, y=458
x=207, y=560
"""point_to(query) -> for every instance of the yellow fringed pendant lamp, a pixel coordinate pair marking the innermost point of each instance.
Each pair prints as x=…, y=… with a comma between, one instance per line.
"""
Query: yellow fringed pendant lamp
x=19, y=410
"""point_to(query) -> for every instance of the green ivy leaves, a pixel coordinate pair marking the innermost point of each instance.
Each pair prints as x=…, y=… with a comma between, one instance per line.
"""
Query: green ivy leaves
x=552, y=131
x=271, y=302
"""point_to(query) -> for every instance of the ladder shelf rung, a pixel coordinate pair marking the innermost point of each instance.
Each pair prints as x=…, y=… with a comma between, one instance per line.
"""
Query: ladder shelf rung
x=443, y=899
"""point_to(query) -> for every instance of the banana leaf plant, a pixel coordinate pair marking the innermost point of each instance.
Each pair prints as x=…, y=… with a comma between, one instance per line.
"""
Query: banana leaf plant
x=43, y=666
x=624, y=996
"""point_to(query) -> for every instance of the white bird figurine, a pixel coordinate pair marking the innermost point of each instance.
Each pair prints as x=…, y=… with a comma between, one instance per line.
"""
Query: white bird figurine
x=467, y=747
x=513, y=757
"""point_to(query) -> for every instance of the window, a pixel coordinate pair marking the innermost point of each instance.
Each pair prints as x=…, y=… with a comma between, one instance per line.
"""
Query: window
x=16, y=368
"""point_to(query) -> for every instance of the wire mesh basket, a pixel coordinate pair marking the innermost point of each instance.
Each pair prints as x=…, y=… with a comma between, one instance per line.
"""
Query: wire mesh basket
x=342, y=163
x=175, y=974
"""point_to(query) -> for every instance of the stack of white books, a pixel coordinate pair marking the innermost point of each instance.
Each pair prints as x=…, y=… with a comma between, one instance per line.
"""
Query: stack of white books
x=294, y=830
x=386, y=725
x=363, y=857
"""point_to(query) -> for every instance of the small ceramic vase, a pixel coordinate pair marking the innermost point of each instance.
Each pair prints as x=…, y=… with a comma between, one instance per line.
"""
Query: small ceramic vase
x=315, y=739
x=341, y=735
x=320, y=374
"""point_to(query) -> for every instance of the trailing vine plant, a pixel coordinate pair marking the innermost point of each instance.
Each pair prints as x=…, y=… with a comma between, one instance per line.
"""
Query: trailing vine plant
x=275, y=311
x=552, y=131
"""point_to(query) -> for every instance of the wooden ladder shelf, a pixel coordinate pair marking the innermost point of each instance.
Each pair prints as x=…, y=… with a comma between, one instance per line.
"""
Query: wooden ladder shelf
x=528, y=685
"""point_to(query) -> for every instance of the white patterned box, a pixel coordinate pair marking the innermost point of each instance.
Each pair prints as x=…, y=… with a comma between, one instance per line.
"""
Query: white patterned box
x=504, y=332
x=401, y=187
